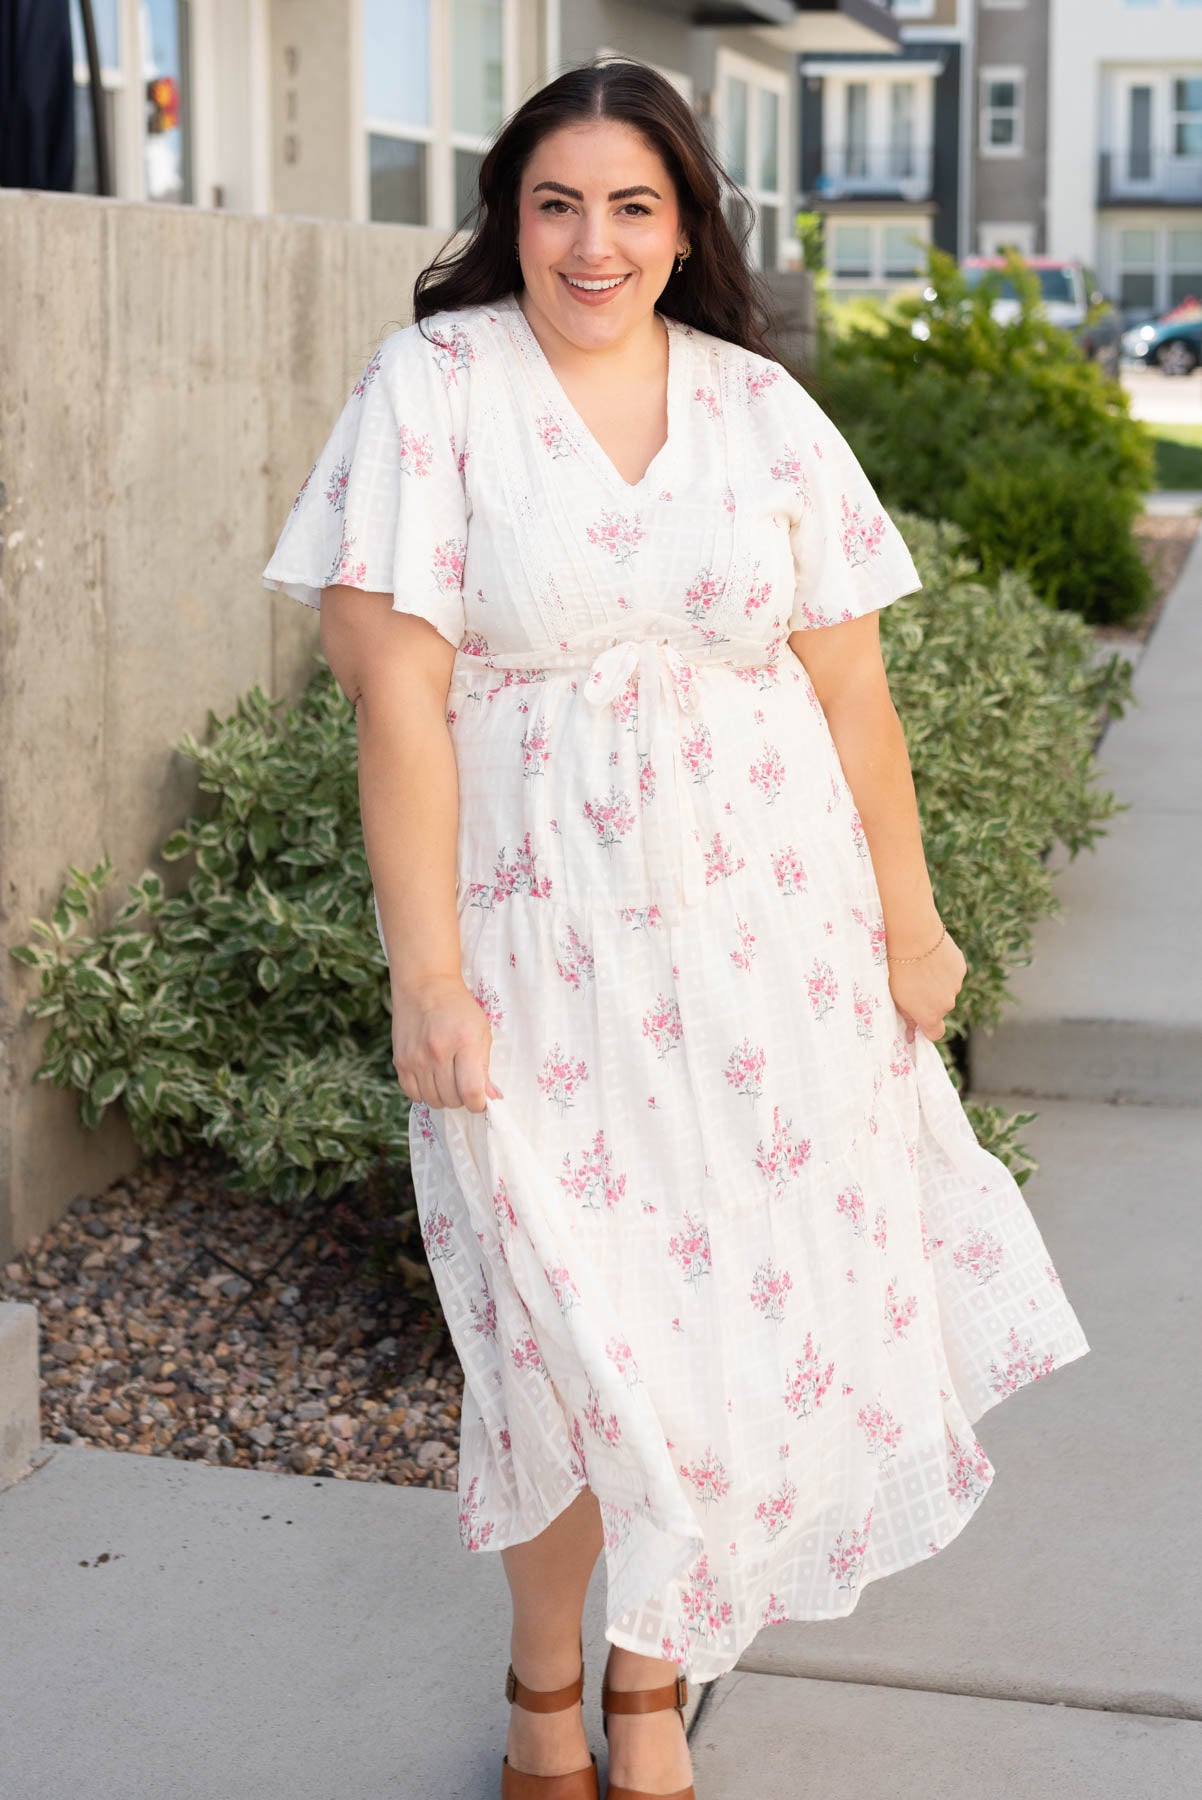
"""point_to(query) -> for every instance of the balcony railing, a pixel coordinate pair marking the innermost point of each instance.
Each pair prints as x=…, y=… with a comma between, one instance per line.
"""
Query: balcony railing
x=889, y=171
x=1149, y=178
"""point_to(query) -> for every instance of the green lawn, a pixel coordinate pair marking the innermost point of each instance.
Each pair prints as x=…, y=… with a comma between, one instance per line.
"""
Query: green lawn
x=1178, y=455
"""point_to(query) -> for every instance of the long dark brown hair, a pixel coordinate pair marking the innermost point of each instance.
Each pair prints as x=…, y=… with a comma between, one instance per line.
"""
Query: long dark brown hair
x=715, y=292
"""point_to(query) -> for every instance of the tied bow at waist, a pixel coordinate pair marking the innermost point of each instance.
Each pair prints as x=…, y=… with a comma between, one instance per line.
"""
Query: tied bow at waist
x=667, y=690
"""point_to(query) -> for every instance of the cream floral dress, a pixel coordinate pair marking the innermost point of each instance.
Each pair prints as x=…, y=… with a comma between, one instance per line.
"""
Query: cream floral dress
x=728, y=1251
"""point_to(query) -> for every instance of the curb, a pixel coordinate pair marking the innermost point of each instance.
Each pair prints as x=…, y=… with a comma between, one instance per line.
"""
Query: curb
x=20, y=1413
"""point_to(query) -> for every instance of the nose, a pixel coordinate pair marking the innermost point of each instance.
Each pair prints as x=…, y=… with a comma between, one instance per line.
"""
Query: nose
x=594, y=241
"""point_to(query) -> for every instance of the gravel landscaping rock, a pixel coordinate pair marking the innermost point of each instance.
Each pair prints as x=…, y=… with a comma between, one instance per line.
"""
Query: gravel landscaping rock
x=177, y=1318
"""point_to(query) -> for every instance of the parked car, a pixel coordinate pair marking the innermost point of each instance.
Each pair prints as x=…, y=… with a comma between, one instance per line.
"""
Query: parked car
x=1071, y=299
x=1171, y=343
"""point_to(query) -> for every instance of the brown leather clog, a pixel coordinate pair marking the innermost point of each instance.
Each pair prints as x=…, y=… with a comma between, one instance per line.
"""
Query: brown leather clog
x=577, y=1784
x=644, y=1700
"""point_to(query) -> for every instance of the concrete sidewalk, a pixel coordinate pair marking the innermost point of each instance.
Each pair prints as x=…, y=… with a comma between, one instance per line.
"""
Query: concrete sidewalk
x=176, y=1629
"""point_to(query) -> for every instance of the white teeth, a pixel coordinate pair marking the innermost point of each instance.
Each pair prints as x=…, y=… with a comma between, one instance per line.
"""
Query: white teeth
x=594, y=287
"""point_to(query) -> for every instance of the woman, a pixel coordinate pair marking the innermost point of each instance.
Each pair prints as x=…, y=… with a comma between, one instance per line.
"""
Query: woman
x=728, y=1273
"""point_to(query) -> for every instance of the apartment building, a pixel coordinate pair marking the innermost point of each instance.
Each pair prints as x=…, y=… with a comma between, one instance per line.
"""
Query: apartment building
x=381, y=109
x=1009, y=174
x=1125, y=146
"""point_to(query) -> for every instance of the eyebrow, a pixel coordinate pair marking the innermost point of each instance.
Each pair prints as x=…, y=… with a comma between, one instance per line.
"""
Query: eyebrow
x=626, y=193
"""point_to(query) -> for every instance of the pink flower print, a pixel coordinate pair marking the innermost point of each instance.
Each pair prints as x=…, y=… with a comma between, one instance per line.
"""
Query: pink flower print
x=863, y=1005
x=536, y=748
x=346, y=571
x=503, y=1434
x=928, y=1243
x=416, y=453
x=560, y=1078
x=474, y=1532
x=760, y=378
x=697, y=749
x=578, y=1456
x=708, y=1476
x=340, y=474
x=969, y=1471
x=525, y=1354
x=808, y=1382
x=980, y=1254
x=562, y=1286
x=882, y=1433
x=744, y=956
x=1023, y=1365
x=452, y=353
x=303, y=489
x=860, y=539
x=776, y=1511
x=605, y=1425
x=503, y=1212
x=641, y=918
x=787, y=468
x=369, y=373
x=1052, y=1276
x=611, y=817
x=420, y=1112
x=484, y=1317
x=783, y=1157
x=728, y=498
x=646, y=780
x=774, y=1612
x=768, y=774
x=857, y=833
x=622, y=1357
x=789, y=870
x=708, y=401
x=516, y=876
x=769, y=1286
x=702, y=597
x=745, y=1069
x=690, y=1248
x=438, y=1237
x=552, y=436
x=619, y=535
x=821, y=987
x=617, y=1522
x=901, y=1057
x=575, y=960
x=590, y=1180
x=663, y=1025
x=899, y=1313
x=489, y=1002
x=851, y=1204
x=875, y=927
x=758, y=594
x=449, y=557
x=675, y=1649
x=719, y=861
x=846, y=1560
x=880, y=1228
x=701, y=1610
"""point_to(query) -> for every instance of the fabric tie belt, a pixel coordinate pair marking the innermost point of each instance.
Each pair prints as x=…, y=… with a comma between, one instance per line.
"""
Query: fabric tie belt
x=667, y=690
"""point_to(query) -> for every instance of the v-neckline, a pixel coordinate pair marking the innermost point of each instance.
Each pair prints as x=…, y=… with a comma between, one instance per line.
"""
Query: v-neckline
x=557, y=395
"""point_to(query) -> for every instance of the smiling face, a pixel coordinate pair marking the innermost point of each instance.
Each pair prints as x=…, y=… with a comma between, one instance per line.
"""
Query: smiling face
x=597, y=206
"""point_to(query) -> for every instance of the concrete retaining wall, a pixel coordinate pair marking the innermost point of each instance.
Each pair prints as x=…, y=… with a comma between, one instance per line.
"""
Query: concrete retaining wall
x=166, y=377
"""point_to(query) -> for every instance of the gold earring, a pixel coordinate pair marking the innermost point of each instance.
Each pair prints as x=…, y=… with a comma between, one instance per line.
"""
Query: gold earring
x=680, y=260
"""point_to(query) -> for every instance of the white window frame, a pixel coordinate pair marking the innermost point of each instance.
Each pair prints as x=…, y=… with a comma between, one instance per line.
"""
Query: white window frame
x=728, y=63
x=988, y=74
x=441, y=139
x=879, y=82
x=1159, y=79
x=1161, y=267
x=918, y=224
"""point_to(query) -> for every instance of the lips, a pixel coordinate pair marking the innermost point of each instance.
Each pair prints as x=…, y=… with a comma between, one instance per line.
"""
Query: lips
x=617, y=281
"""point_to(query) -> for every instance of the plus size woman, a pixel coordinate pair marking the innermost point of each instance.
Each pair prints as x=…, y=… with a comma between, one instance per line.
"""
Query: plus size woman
x=729, y=1275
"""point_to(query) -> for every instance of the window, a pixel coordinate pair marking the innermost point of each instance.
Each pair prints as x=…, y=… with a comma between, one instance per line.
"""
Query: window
x=877, y=252
x=904, y=257
x=914, y=9
x=852, y=251
x=144, y=67
x=1001, y=112
x=1185, y=265
x=434, y=92
x=752, y=139
x=1185, y=120
x=1157, y=267
x=1139, y=132
x=902, y=122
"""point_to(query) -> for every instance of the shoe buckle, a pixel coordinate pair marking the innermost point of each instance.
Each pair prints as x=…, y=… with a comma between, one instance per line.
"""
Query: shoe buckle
x=682, y=1691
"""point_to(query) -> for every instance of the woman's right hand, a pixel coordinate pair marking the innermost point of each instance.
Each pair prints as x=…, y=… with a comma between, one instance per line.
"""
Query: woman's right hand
x=441, y=1039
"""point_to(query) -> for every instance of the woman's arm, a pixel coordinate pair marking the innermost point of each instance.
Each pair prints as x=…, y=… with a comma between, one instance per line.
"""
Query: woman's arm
x=845, y=666
x=395, y=668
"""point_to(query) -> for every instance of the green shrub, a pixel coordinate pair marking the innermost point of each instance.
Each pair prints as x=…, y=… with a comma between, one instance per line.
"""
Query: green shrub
x=1003, y=429
x=250, y=1011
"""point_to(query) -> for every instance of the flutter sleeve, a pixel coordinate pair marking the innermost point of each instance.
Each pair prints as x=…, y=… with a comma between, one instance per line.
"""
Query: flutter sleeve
x=383, y=507
x=849, y=557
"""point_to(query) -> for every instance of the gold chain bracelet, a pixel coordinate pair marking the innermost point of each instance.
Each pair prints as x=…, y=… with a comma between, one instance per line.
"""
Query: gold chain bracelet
x=925, y=953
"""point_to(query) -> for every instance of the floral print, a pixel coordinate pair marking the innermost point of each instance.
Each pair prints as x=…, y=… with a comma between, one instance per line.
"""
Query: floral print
x=728, y=1251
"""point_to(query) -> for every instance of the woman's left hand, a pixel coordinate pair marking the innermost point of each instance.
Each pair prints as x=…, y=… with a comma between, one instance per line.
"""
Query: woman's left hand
x=925, y=990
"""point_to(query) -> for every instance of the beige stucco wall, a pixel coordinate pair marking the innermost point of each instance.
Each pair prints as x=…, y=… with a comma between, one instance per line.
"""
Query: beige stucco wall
x=166, y=377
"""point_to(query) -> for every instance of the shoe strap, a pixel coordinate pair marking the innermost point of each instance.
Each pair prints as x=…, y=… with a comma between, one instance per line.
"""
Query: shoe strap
x=543, y=1699
x=645, y=1700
